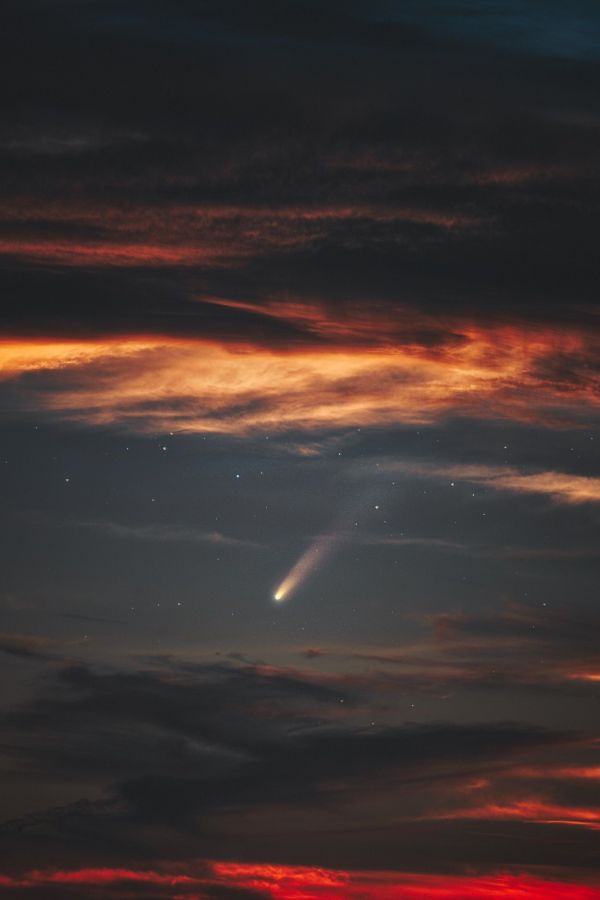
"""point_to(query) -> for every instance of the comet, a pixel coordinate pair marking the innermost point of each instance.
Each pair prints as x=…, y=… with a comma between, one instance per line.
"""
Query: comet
x=307, y=565
x=322, y=546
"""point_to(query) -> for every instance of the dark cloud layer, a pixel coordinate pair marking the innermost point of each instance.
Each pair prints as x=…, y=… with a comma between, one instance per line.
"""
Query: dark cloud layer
x=476, y=181
x=194, y=747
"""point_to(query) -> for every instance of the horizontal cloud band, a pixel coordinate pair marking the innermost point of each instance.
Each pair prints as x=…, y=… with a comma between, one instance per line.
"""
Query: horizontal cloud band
x=339, y=373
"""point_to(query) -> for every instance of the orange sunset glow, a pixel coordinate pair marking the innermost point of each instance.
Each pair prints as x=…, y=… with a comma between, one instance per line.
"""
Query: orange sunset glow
x=205, y=385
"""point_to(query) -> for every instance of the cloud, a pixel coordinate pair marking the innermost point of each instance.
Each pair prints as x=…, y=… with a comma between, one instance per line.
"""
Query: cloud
x=180, y=749
x=263, y=880
x=178, y=758
x=25, y=646
x=124, y=882
x=531, y=810
x=169, y=533
x=419, y=377
x=506, y=551
x=561, y=487
x=562, y=625
x=282, y=881
x=187, y=235
x=529, y=648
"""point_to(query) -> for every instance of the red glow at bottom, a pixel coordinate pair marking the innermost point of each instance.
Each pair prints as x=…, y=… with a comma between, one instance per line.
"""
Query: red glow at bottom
x=306, y=883
x=290, y=883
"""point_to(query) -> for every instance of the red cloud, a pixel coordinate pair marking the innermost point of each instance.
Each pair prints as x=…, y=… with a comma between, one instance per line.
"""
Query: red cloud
x=180, y=235
x=308, y=883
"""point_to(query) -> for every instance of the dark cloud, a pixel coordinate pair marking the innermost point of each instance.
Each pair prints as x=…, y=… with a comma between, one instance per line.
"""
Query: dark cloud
x=25, y=646
x=561, y=629
x=200, y=741
x=496, y=151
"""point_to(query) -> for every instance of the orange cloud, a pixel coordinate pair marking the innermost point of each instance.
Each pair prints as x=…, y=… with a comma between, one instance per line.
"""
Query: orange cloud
x=591, y=773
x=111, y=253
x=562, y=487
x=406, y=369
x=529, y=810
x=19, y=357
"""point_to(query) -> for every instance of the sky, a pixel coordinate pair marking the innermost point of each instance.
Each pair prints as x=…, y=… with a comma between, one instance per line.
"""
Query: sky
x=299, y=382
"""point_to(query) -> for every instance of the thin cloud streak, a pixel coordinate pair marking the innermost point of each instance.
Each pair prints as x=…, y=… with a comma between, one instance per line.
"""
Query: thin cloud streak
x=561, y=487
x=165, y=533
x=180, y=235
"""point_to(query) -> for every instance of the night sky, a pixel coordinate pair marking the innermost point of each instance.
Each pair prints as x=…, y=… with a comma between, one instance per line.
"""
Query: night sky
x=300, y=392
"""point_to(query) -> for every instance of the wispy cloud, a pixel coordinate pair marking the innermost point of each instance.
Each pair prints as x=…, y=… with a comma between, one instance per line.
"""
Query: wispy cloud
x=561, y=487
x=189, y=235
x=339, y=371
x=25, y=646
x=165, y=533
